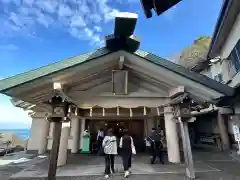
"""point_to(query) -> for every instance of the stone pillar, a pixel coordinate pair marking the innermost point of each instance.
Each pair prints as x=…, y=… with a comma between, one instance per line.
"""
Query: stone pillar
x=171, y=136
x=63, y=147
x=223, y=131
x=43, y=133
x=75, y=134
x=83, y=122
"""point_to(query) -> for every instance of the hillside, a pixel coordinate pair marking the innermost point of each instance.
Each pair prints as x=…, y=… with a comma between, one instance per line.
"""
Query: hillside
x=195, y=53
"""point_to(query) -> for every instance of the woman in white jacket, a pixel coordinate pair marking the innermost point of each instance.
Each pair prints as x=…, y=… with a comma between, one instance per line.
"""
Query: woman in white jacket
x=110, y=150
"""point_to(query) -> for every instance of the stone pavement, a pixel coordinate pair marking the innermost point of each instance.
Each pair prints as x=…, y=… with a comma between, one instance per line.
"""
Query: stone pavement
x=16, y=162
x=209, y=166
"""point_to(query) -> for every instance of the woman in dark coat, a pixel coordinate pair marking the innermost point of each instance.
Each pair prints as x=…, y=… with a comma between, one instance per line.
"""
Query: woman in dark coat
x=127, y=148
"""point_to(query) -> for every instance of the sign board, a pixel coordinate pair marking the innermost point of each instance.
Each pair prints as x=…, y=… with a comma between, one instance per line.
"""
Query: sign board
x=237, y=136
x=236, y=132
x=235, y=129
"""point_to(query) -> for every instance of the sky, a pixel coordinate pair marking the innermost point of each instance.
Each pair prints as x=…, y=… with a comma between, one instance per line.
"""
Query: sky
x=35, y=33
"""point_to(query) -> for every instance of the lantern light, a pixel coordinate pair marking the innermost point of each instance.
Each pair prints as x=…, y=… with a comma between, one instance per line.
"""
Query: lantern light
x=57, y=86
x=130, y=112
x=76, y=111
x=91, y=112
x=117, y=111
x=103, y=111
x=144, y=111
x=158, y=111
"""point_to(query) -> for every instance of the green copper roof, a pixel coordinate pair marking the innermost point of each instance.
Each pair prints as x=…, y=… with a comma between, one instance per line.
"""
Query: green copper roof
x=49, y=69
x=17, y=80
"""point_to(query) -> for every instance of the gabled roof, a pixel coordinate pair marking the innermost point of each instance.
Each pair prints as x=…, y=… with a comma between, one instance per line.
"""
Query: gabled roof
x=17, y=80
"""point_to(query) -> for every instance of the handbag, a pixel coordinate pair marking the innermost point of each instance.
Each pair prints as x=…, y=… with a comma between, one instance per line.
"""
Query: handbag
x=133, y=147
x=133, y=150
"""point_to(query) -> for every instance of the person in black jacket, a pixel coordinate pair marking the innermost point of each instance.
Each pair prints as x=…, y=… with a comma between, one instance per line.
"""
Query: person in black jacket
x=127, y=149
x=156, y=146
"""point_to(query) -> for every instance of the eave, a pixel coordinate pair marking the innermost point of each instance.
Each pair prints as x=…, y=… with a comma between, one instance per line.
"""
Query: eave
x=228, y=15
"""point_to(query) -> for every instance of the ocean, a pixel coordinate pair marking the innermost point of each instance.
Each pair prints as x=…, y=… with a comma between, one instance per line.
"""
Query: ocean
x=21, y=133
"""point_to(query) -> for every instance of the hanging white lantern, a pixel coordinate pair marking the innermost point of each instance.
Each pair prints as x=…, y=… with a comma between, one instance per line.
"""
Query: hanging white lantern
x=103, y=111
x=69, y=109
x=130, y=111
x=91, y=112
x=76, y=111
x=117, y=111
x=158, y=111
x=144, y=111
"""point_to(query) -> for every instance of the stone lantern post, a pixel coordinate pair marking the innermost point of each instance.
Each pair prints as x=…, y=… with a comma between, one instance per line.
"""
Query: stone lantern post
x=182, y=113
x=59, y=115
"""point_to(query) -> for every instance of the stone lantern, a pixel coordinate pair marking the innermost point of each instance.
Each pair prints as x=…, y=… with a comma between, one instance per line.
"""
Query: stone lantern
x=59, y=115
x=182, y=113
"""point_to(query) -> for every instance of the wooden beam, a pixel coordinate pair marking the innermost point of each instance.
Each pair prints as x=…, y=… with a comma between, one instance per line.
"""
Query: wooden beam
x=226, y=110
x=90, y=84
x=85, y=94
x=144, y=75
x=176, y=91
x=150, y=84
x=81, y=80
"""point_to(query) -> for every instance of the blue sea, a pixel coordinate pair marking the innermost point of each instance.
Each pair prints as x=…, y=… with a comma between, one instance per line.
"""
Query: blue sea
x=21, y=133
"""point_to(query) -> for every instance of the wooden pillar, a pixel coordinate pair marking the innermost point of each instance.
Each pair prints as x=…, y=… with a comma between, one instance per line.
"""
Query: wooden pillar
x=223, y=131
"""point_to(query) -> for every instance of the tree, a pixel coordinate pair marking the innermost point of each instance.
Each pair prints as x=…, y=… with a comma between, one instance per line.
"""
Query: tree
x=195, y=53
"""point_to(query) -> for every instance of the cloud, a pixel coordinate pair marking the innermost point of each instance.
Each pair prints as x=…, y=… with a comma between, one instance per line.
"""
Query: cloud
x=78, y=17
x=8, y=47
x=64, y=10
x=97, y=28
x=12, y=116
x=77, y=21
x=49, y=6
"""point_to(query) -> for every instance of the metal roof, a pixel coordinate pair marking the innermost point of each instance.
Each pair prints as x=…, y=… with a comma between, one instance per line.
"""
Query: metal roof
x=29, y=76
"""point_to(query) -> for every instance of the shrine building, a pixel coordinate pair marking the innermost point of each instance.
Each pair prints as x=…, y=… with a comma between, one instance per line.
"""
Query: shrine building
x=117, y=86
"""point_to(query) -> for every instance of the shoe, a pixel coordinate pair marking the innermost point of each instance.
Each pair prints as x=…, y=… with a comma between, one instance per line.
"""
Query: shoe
x=129, y=170
x=126, y=174
x=106, y=176
x=113, y=171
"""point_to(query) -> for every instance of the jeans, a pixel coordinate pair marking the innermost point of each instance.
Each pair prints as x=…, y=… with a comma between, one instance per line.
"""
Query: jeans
x=109, y=163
